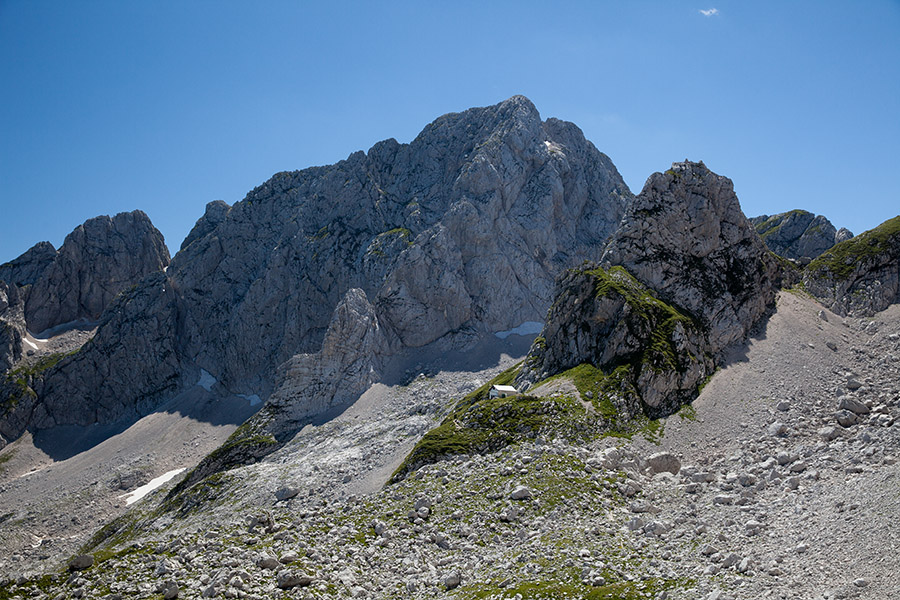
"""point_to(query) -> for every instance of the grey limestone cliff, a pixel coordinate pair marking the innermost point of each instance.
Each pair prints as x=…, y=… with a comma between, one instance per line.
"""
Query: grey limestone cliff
x=12, y=325
x=466, y=227
x=685, y=238
x=683, y=277
x=97, y=260
x=798, y=234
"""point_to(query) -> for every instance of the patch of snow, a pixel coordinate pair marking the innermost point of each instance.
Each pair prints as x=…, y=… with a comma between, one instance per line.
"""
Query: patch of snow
x=526, y=328
x=253, y=398
x=206, y=380
x=30, y=343
x=132, y=497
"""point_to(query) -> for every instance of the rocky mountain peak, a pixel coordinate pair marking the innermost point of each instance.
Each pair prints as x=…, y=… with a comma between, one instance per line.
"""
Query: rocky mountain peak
x=463, y=229
x=798, y=234
x=685, y=237
x=96, y=261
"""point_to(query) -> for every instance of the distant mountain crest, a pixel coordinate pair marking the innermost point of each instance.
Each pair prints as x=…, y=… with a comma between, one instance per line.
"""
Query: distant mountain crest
x=798, y=234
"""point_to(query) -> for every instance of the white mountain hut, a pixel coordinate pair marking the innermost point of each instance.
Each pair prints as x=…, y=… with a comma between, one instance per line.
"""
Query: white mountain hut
x=503, y=391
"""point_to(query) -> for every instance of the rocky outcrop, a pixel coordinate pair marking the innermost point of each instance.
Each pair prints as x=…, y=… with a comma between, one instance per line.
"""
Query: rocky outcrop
x=685, y=238
x=97, y=261
x=28, y=268
x=859, y=276
x=465, y=227
x=683, y=277
x=798, y=234
x=348, y=363
x=12, y=325
x=653, y=357
x=215, y=213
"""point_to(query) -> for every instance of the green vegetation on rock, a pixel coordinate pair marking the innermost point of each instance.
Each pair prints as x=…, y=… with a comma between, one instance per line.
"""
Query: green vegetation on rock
x=842, y=259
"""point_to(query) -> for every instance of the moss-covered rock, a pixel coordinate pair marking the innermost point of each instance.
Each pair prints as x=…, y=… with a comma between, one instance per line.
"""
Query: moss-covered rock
x=624, y=348
x=861, y=275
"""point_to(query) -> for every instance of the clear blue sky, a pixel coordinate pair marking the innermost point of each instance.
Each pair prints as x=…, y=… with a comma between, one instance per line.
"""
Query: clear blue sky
x=107, y=106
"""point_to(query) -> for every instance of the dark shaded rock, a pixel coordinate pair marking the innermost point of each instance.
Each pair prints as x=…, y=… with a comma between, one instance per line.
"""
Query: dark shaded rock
x=28, y=268
x=216, y=211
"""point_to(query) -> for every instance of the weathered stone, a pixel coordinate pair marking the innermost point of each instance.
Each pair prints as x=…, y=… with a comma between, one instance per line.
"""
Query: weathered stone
x=663, y=462
x=290, y=579
x=81, y=562
x=798, y=234
x=520, y=493
x=853, y=405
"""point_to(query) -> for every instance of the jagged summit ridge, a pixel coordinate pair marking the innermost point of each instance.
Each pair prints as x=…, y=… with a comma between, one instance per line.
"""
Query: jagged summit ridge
x=464, y=228
x=798, y=234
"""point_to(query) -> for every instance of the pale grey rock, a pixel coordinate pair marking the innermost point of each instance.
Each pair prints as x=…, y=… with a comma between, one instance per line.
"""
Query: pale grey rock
x=290, y=579
x=777, y=429
x=663, y=462
x=521, y=492
x=798, y=234
x=685, y=237
x=348, y=363
x=853, y=405
x=466, y=227
x=99, y=259
x=843, y=234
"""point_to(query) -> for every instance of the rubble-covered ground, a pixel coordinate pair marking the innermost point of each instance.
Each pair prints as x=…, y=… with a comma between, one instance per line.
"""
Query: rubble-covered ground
x=780, y=481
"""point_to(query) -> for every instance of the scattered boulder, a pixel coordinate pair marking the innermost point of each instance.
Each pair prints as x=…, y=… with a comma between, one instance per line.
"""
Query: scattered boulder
x=81, y=562
x=286, y=580
x=663, y=462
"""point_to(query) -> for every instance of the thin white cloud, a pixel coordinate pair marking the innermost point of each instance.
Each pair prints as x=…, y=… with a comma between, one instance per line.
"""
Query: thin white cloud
x=709, y=12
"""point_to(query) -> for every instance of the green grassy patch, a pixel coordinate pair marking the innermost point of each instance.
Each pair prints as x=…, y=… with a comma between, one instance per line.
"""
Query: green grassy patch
x=660, y=318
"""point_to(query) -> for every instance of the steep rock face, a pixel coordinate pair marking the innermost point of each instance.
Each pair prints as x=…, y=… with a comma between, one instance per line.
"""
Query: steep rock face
x=348, y=363
x=684, y=276
x=654, y=356
x=97, y=261
x=12, y=325
x=215, y=213
x=465, y=227
x=132, y=331
x=798, y=234
x=28, y=268
x=685, y=238
x=859, y=276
